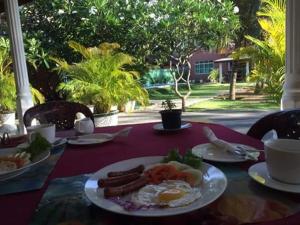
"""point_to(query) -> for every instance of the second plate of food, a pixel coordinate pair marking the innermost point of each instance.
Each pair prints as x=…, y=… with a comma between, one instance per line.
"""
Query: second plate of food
x=13, y=164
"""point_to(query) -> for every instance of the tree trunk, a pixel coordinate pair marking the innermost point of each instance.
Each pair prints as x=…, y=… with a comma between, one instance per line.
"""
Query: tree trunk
x=232, y=86
x=178, y=75
x=183, y=100
x=257, y=87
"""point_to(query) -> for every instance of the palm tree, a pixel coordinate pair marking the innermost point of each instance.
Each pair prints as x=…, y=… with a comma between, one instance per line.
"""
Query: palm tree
x=268, y=54
x=101, y=78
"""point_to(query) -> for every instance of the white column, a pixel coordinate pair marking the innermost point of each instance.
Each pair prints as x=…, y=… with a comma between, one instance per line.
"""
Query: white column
x=24, y=98
x=291, y=88
x=247, y=68
x=220, y=72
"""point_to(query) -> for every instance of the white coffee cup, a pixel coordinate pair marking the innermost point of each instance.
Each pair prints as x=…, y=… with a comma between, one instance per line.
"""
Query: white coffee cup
x=283, y=160
x=84, y=126
x=45, y=130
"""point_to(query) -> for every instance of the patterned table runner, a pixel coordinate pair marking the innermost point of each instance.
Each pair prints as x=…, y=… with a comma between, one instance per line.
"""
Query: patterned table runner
x=244, y=201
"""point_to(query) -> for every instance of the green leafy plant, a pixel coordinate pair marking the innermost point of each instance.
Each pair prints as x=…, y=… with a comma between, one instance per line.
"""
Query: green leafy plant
x=168, y=104
x=102, y=78
x=7, y=93
x=214, y=75
x=268, y=54
x=7, y=81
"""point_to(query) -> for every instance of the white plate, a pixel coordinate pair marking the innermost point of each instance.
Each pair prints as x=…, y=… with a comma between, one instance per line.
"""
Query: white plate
x=159, y=127
x=91, y=139
x=37, y=160
x=209, y=152
x=213, y=185
x=259, y=173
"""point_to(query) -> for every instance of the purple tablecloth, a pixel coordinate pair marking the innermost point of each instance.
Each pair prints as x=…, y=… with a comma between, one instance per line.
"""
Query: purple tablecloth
x=19, y=208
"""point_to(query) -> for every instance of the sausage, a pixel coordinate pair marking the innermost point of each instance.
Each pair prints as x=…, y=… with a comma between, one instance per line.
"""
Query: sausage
x=138, y=169
x=126, y=188
x=117, y=181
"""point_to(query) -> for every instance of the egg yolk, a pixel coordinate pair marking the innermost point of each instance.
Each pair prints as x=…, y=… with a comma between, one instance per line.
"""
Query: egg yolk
x=170, y=194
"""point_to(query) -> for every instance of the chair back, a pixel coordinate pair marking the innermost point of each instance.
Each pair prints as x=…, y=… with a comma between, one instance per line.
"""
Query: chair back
x=60, y=113
x=286, y=123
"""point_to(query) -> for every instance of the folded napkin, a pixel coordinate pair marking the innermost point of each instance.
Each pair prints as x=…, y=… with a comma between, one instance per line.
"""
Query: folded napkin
x=226, y=146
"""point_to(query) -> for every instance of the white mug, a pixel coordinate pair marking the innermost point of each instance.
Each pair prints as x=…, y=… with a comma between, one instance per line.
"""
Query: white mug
x=45, y=130
x=283, y=160
x=84, y=126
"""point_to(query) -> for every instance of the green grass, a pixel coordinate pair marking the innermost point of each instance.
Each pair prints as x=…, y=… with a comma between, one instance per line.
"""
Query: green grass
x=233, y=105
x=198, y=91
x=212, y=90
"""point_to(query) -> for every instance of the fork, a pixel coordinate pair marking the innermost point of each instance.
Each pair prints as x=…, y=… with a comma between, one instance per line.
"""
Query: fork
x=243, y=149
x=245, y=152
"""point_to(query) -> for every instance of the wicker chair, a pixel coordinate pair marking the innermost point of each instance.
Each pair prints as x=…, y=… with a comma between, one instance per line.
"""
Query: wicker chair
x=286, y=123
x=60, y=113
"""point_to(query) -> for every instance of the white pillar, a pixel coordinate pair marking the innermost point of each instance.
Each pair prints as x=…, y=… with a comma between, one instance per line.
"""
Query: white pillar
x=247, y=68
x=220, y=72
x=291, y=88
x=24, y=98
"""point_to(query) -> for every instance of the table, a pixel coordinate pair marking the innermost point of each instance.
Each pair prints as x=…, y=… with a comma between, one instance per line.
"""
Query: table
x=18, y=209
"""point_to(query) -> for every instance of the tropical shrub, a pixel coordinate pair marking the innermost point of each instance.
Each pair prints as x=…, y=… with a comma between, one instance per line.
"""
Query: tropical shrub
x=101, y=78
x=157, y=76
x=7, y=81
x=7, y=93
x=213, y=75
x=268, y=54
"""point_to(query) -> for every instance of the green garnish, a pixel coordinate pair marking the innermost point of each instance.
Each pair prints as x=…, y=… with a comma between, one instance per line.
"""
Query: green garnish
x=188, y=158
x=37, y=146
x=173, y=155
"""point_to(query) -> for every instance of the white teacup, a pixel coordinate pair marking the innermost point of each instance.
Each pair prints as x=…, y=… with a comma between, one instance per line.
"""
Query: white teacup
x=283, y=160
x=84, y=126
x=46, y=130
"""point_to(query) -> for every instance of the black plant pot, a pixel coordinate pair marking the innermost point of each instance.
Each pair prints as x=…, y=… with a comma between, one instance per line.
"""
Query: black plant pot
x=171, y=119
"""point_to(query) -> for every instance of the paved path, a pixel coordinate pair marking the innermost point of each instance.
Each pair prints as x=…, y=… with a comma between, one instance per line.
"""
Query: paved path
x=237, y=120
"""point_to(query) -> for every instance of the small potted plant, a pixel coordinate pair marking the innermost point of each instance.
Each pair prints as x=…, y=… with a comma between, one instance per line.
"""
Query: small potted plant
x=171, y=117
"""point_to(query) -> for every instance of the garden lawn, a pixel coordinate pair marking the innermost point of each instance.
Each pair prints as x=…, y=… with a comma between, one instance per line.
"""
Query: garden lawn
x=245, y=104
x=198, y=91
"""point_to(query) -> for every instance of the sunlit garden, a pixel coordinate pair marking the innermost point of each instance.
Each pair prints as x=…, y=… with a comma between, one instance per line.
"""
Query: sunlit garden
x=104, y=53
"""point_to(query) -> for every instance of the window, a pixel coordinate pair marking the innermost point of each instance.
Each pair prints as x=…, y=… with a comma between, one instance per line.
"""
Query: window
x=204, y=67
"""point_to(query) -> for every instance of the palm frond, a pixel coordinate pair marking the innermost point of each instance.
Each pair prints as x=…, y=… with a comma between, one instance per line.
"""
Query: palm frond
x=102, y=78
x=80, y=49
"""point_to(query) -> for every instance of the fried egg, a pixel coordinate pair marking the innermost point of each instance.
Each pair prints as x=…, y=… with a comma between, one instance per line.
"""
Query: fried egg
x=170, y=193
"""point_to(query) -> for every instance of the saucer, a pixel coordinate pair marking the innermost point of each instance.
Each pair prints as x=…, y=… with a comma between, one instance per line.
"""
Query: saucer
x=159, y=127
x=259, y=173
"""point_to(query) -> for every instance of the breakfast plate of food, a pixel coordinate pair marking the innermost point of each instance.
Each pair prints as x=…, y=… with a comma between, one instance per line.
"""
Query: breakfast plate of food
x=152, y=187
